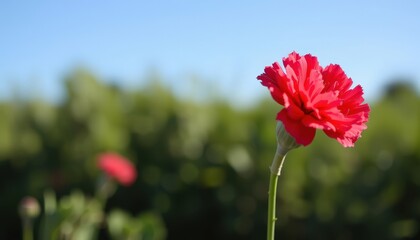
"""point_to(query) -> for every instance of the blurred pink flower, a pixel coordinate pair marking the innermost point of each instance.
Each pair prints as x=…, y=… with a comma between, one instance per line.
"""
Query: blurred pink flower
x=117, y=167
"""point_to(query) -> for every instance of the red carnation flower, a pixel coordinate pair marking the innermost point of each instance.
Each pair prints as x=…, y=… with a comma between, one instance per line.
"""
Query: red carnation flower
x=117, y=167
x=316, y=98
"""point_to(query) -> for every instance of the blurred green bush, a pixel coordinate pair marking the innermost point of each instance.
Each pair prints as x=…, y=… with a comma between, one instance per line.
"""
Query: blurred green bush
x=203, y=165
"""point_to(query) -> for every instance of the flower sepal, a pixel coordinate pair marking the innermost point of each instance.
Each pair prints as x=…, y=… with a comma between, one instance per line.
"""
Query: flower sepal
x=285, y=143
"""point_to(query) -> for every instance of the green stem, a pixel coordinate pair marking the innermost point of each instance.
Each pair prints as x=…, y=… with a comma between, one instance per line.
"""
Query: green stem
x=27, y=230
x=271, y=220
x=275, y=171
x=105, y=188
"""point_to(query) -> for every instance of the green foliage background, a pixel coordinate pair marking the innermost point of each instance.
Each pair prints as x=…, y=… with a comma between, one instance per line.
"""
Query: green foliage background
x=203, y=165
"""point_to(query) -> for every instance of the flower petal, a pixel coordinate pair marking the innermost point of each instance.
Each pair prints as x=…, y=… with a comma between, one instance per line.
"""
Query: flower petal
x=302, y=134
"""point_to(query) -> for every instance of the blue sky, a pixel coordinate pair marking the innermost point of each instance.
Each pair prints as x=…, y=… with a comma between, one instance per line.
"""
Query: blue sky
x=227, y=43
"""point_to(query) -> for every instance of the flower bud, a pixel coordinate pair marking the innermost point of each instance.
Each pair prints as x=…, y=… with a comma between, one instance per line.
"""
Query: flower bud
x=29, y=208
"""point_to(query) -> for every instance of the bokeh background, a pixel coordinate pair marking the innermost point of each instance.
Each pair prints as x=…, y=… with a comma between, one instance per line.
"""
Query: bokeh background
x=171, y=85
